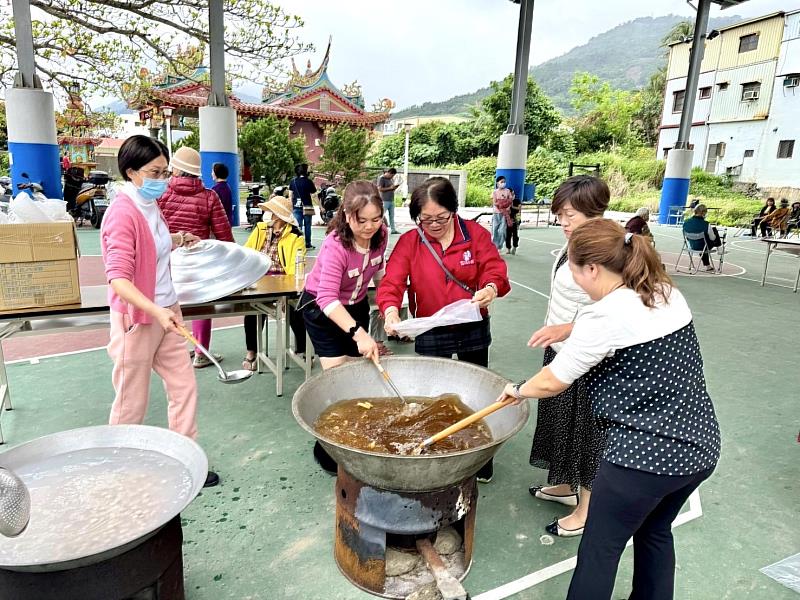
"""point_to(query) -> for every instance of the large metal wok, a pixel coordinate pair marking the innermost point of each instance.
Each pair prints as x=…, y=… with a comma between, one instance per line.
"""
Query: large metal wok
x=414, y=376
x=97, y=492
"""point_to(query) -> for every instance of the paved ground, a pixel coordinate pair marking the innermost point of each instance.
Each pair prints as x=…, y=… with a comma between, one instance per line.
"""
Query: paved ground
x=266, y=531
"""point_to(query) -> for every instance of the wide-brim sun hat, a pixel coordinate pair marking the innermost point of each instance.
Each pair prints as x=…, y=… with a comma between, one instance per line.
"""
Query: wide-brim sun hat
x=281, y=207
x=186, y=159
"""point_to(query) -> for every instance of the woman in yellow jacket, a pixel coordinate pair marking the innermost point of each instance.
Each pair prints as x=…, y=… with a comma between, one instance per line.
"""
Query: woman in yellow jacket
x=279, y=237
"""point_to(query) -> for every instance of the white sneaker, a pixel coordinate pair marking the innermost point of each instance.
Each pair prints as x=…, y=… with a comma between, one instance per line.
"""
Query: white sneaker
x=201, y=361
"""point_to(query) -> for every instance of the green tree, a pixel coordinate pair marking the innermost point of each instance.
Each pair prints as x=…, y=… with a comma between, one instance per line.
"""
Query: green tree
x=648, y=117
x=605, y=115
x=540, y=115
x=680, y=32
x=344, y=153
x=104, y=43
x=270, y=150
x=192, y=140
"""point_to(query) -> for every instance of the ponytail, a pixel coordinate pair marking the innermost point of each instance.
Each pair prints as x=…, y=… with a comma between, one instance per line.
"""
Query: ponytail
x=604, y=242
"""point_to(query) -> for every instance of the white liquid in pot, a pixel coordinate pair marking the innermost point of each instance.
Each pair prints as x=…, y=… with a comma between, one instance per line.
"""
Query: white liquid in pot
x=89, y=501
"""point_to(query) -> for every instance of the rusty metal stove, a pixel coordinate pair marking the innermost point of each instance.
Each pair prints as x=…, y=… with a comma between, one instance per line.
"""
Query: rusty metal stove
x=370, y=519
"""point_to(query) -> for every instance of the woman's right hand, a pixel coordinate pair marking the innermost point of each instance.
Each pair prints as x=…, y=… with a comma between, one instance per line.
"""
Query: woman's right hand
x=549, y=335
x=167, y=319
x=367, y=347
x=390, y=320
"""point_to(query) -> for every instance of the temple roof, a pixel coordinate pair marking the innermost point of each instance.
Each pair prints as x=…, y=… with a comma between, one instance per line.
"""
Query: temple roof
x=310, y=96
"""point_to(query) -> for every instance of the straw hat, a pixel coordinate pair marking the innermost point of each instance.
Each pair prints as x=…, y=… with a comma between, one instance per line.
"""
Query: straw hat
x=186, y=159
x=281, y=207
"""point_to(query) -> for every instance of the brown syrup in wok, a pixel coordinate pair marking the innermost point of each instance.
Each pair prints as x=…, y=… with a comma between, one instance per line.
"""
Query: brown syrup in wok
x=385, y=425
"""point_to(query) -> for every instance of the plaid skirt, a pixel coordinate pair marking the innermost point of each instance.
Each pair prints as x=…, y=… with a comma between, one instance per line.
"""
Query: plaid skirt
x=452, y=339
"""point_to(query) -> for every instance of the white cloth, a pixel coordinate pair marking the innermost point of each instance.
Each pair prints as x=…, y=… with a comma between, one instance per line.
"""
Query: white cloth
x=619, y=320
x=566, y=297
x=165, y=292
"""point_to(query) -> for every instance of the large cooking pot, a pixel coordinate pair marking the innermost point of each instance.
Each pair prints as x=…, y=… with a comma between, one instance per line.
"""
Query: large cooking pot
x=97, y=492
x=414, y=376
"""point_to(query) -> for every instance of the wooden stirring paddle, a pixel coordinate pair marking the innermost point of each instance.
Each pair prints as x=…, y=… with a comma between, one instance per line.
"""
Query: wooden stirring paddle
x=465, y=422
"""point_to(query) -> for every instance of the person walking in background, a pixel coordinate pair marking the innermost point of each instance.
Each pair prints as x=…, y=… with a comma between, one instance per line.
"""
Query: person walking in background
x=65, y=163
x=188, y=206
x=567, y=441
x=219, y=173
x=302, y=189
x=145, y=314
x=512, y=231
x=502, y=198
x=386, y=187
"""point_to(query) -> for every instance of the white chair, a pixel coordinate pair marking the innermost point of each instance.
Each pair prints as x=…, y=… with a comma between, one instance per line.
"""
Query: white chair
x=691, y=252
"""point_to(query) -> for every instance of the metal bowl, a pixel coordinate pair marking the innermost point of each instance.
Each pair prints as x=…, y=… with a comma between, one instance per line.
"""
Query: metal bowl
x=97, y=492
x=212, y=269
x=414, y=376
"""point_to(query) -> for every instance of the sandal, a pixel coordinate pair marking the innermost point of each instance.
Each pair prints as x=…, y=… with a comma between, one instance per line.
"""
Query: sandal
x=249, y=364
x=383, y=350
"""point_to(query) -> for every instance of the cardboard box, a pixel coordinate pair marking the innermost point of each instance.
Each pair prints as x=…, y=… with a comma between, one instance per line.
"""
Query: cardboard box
x=38, y=265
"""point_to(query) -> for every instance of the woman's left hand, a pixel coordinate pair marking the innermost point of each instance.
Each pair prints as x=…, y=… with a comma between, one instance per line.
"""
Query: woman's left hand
x=484, y=296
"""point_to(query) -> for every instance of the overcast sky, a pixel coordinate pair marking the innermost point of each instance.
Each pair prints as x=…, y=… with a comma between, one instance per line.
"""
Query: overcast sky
x=417, y=50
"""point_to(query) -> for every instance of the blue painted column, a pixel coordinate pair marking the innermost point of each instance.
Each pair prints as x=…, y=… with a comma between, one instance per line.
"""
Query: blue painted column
x=511, y=157
x=218, y=144
x=676, y=184
x=32, y=144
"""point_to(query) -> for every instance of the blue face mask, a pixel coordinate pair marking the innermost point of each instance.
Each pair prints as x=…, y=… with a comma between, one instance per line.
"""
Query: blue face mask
x=153, y=189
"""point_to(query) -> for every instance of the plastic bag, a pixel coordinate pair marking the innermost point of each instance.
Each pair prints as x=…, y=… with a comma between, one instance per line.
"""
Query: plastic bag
x=460, y=311
x=24, y=209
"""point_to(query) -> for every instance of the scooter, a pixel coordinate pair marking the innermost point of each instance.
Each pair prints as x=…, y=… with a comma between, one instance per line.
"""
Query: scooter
x=5, y=193
x=254, y=211
x=87, y=199
x=329, y=203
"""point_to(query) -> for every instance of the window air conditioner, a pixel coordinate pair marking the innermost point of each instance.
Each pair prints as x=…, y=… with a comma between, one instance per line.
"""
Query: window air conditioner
x=750, y=95
x=791, y=82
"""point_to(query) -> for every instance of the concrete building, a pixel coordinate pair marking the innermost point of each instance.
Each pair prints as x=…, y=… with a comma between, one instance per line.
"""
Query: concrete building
x=745, y=119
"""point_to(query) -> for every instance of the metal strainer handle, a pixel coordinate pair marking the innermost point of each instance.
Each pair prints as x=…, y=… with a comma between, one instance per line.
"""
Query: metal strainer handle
x=15, y=504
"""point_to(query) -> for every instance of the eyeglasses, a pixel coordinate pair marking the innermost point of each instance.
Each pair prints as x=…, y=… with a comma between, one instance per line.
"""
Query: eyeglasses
x=435, y=220
x=156, y=173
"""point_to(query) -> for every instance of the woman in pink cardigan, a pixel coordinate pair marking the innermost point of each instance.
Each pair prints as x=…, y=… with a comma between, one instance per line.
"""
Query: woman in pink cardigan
x=334, y=302
x=145, y=314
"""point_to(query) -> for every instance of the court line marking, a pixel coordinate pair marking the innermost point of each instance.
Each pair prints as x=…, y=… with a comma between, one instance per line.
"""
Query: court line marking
x=522, y=285
x=528, y=581
x=73, y=352
x=541, y=241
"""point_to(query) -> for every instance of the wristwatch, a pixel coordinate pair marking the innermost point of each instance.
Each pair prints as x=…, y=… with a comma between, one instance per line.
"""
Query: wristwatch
x=353, y=329
x=516, y=386
x=493, y=286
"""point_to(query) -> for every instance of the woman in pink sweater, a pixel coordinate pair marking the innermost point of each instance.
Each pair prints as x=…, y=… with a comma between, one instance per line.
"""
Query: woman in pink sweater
x=145, y=314
x=334, y=303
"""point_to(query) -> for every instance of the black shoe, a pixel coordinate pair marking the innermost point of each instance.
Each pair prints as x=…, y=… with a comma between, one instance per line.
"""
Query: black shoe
x=212, y=479
x=555, y=529
x=486, y=472
x=324, y=459
x=310, y=247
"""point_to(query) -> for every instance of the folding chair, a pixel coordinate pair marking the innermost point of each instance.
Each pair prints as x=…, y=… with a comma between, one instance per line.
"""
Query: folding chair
x=691, y=252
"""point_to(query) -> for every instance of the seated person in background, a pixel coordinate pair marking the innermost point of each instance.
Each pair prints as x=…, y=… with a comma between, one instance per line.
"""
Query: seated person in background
x=694, y=203
x=638, y=223
x=768, y=207
x=698, y=224
x=794, y=217
x=776, y=220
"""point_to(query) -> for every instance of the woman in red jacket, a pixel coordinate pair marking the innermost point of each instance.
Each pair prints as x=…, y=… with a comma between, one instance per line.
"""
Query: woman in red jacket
x=188, y=206
x=475, y=267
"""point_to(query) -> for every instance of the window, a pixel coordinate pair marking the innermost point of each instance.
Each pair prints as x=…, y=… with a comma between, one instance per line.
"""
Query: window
x=748, y=42
x=677, y=101
x=705, y=92
x=748, y=153
x=751, y=91
x=785, y=149
x=723, y=85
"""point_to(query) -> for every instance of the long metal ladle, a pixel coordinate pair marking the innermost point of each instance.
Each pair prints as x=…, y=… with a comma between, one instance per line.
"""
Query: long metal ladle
x=410, y=409
x=237, y=376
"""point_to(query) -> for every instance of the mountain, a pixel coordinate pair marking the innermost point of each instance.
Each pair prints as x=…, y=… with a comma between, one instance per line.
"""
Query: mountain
x=625, y=56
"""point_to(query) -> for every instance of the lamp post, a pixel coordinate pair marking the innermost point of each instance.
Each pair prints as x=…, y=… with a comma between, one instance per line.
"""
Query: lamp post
x=404, y=188
x=167, y=112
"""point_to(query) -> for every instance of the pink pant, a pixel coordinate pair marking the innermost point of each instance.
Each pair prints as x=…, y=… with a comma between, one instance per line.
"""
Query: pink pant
x=136, y=351
x=201, y=330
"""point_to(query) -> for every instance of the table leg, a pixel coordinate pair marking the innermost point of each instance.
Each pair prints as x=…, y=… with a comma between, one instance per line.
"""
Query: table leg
x=797, y=281
x=310, y=353
x=259, y=340
x=766, y=264
x=280, y=344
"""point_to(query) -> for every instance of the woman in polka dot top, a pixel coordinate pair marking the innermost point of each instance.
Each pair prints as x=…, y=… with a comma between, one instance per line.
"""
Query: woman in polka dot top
x=638, y=348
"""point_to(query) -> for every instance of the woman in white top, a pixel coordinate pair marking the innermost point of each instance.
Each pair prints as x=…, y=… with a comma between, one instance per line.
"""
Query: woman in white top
x=636, y=346
x=567, y=441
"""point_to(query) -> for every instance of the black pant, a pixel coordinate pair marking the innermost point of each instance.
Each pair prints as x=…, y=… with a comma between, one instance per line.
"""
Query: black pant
x=625, y=503
x=512, y=232
x=758, y=222
x=295, y=322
